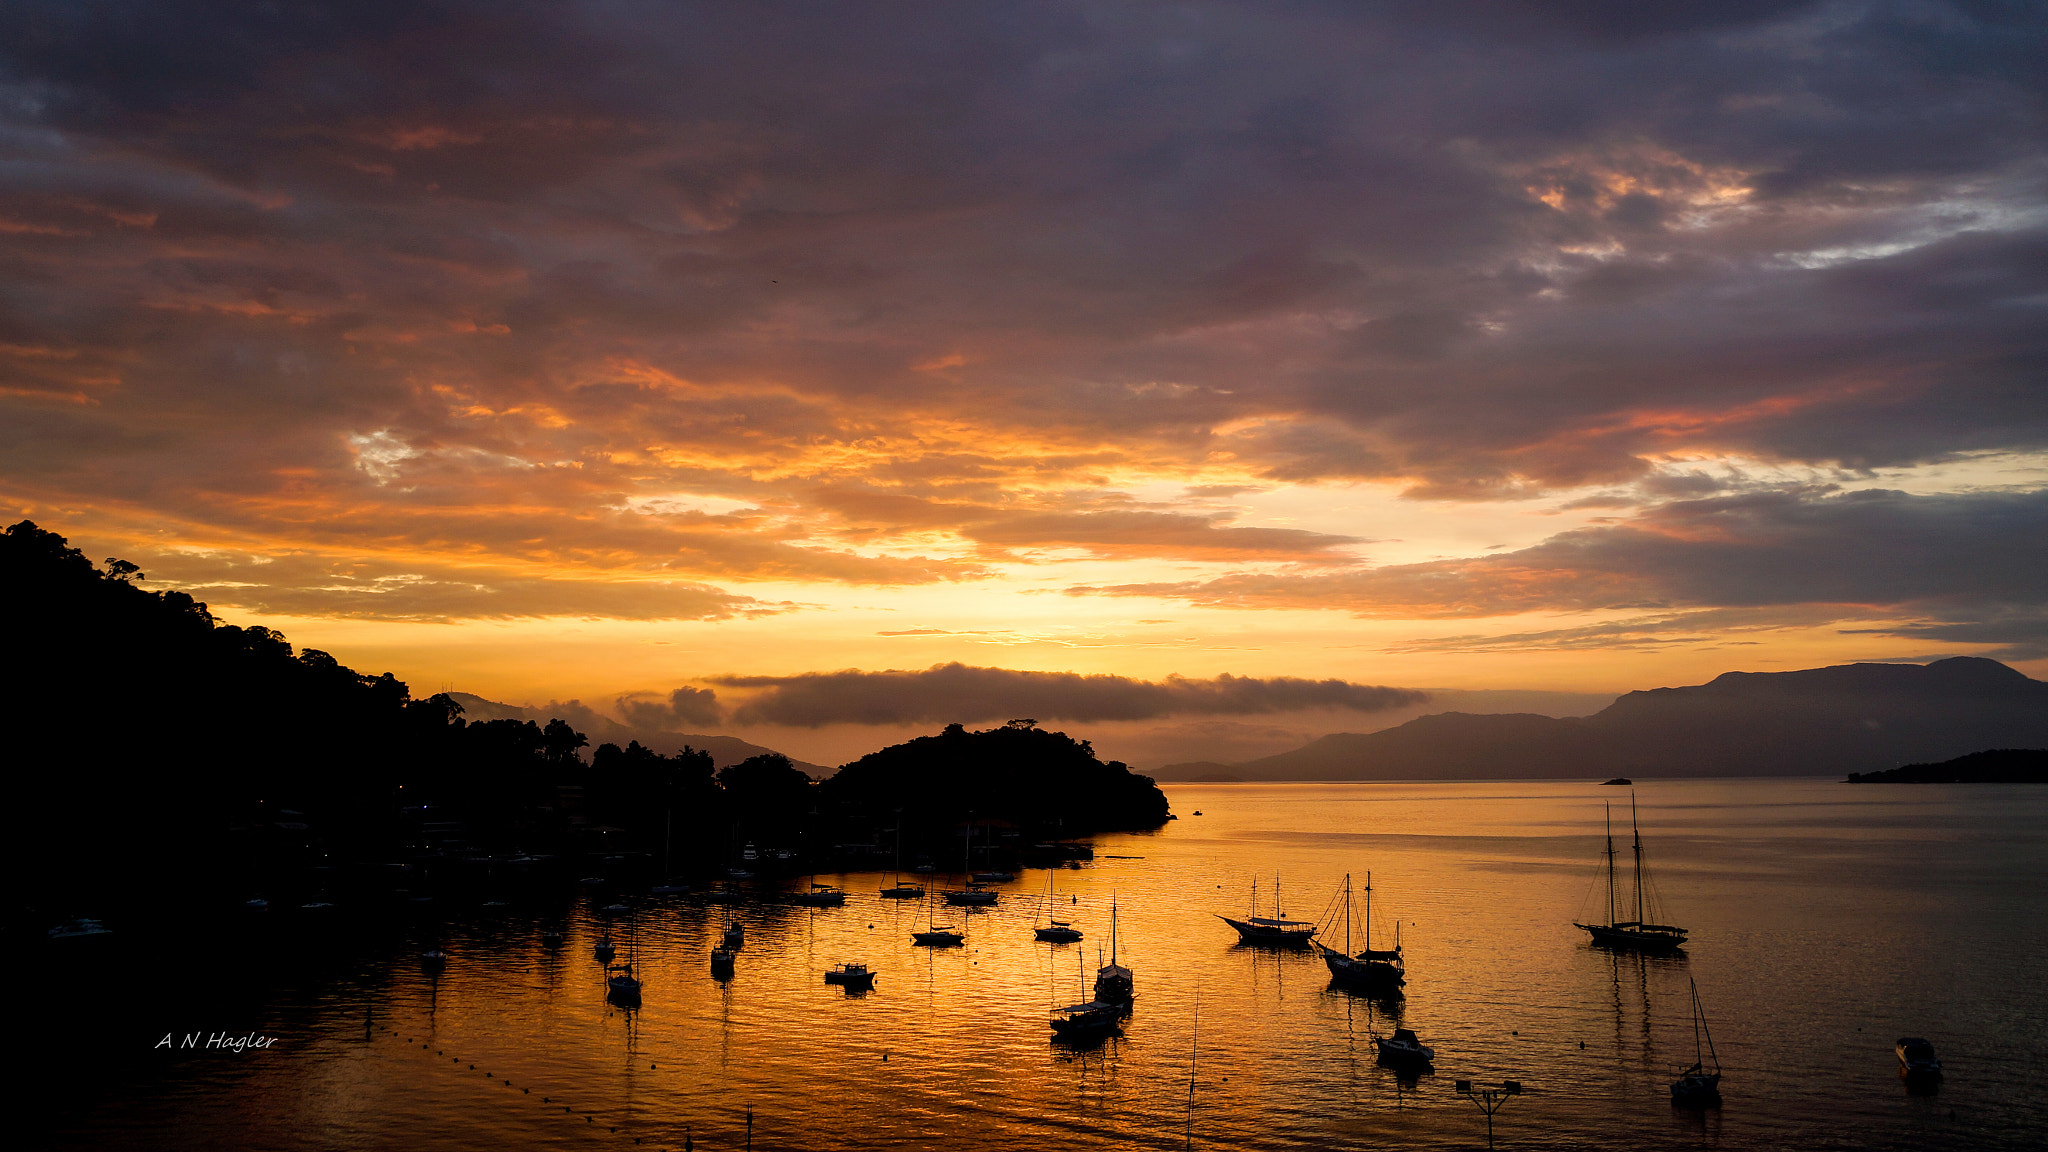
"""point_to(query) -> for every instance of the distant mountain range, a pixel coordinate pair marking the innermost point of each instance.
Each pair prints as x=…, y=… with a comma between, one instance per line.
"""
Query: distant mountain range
x=1820, y=721
x=602, y=730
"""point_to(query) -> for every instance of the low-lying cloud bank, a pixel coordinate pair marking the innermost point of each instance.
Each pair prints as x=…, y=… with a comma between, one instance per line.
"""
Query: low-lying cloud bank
x=958, y=693
x=1954, y=566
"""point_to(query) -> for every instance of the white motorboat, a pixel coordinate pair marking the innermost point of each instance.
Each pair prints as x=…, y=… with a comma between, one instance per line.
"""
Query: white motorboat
x=1403, y=1049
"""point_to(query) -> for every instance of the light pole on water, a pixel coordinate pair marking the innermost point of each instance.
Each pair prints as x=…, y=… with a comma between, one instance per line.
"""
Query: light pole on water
x=1490, y=1100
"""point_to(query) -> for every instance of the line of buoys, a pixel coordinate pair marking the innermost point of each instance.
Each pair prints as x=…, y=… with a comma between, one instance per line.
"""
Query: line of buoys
x=689, y=1144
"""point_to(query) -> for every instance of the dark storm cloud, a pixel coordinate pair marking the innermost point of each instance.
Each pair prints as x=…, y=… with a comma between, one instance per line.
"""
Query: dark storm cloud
x=685, y=708
x=556, y=256
x=957, y=693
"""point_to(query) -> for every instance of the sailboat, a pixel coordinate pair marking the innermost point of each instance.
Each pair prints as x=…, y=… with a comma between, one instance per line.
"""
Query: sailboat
x=897, y=889
x=1086, y=1023
x=974, y=894
x=1055, y=931
x=1639, y=933
x=1275, y=931
x=621, y=986
x=820, y=895
x=1696, y=1087
x=1113, y=984
x=936, y=935
x=1373, y=970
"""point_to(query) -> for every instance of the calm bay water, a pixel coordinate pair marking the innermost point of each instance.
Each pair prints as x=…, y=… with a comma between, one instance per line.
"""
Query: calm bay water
x=1827, y=920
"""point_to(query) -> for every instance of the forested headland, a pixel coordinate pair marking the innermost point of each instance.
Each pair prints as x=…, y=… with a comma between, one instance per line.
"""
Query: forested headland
x=163, y=758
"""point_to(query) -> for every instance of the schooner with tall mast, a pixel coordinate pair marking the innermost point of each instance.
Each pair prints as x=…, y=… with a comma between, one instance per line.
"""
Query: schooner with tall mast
x=1370, y=969
x=1640, y=933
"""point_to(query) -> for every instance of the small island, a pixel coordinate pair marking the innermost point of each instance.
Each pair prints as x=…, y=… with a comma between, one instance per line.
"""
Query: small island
x=1997, y=766
x=1617, y=780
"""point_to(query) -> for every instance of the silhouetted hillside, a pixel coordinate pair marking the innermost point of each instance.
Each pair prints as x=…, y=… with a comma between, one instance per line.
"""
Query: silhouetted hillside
x=1820, y=721
x=1997, y=766
x=161, y=754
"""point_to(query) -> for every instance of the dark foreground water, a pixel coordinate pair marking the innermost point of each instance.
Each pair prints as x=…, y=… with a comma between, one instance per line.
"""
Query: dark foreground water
x=1827, y=921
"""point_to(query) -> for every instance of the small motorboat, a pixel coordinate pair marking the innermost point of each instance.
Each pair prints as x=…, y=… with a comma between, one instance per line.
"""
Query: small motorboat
x=739, y=874
x=902, y=891
x=315, y=906
x=992, y=877
x=1082, y=1023
x=592, y=881
x=672, y=888
x=433, y=959
x=852, y=976
x=925, y=869
x=604, y=949
x=257, y=905
x=615, y=909
x=1198, y=811
x=722, y=963
x=1057, y=932
x=1917, y=1059
x=973, y=896
x=551, y=939
x=1404, y=1049
x=722, y=896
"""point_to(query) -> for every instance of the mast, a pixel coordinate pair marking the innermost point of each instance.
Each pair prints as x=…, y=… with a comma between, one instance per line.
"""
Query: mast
x=1699, y=1029
x=1639, y=855
x=1112, y=928
x=1347, y=913
x=1255, y=897
x=1277, y=913
x=1613, y=917
x=1368, y=913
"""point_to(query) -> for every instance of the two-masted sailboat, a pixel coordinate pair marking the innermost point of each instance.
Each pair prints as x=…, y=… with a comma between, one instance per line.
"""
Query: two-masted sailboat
x=1640, y=933
x=1696, y=1087
x=1370, y=969
x=1113, y=982
x=1275, y=931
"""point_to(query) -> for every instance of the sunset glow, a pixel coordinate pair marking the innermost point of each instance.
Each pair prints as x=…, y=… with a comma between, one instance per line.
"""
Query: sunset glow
x=650, y=346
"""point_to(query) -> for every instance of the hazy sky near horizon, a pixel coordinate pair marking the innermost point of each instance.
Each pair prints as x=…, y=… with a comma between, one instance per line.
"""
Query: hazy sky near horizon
x=1234, y=359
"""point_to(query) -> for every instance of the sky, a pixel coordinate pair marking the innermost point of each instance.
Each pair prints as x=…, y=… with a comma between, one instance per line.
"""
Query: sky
x=1198, y=377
